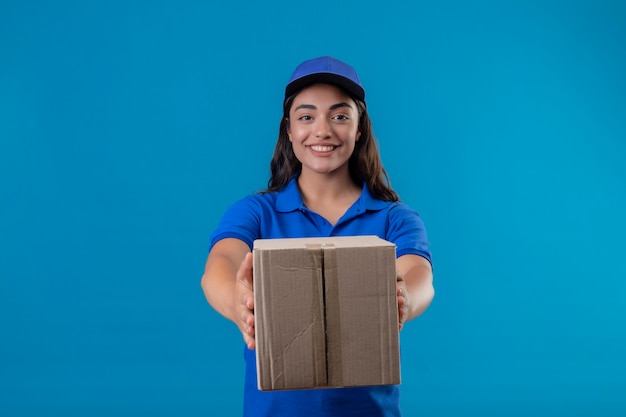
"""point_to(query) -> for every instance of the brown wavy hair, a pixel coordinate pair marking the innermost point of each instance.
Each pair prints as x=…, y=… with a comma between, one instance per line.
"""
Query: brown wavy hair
x=364, y=164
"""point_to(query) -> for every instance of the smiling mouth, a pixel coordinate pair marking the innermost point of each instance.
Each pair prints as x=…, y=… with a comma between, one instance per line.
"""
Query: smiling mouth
x=323, y=148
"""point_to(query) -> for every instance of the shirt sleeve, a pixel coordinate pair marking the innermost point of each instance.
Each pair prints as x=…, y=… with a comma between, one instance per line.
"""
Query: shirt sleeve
x=407, y=231
x=241, y=221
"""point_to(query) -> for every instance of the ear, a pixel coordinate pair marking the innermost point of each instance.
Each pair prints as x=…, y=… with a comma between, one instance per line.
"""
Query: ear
x=288, y=129
x=358, y=136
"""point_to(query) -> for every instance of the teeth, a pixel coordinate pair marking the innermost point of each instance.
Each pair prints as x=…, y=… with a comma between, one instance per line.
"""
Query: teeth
x=321, y=148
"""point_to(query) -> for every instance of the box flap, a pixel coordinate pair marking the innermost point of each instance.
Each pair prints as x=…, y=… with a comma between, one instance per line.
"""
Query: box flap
x=289, y=319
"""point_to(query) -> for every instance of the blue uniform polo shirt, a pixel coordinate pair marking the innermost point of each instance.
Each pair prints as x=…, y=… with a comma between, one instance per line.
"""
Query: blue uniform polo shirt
x=282, y=214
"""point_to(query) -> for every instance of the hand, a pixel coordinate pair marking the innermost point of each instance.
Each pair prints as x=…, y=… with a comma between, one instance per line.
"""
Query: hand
x=403, y=302
x=244, y=299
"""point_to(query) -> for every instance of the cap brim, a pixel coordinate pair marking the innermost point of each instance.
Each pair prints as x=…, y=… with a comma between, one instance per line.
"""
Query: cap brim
x=350, y=86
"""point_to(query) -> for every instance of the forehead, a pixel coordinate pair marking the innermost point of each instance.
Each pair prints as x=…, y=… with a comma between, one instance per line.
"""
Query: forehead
x=322, y=94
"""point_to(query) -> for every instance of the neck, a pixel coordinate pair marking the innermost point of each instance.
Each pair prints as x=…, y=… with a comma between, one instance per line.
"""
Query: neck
x=327, y=189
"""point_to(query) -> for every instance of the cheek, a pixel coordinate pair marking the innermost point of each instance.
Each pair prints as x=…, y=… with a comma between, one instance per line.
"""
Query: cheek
x=295, y=135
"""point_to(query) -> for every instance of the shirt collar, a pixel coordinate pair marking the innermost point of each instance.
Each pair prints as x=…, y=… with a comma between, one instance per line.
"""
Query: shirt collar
x=289, y=198
x=369, y=202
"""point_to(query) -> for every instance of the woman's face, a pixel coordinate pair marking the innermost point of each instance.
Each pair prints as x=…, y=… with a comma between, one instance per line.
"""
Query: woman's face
x=323, y=129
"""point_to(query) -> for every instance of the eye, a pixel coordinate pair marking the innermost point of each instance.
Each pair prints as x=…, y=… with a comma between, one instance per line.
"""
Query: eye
x=305, y=118
x=341, y=117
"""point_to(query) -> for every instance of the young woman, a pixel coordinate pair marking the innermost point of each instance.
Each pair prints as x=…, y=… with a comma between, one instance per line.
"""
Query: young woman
x=326, y=180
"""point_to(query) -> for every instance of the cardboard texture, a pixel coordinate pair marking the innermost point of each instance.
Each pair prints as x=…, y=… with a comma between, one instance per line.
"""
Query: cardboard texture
x=326, y=312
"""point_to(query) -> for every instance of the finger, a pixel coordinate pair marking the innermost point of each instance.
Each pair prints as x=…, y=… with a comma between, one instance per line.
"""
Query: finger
x=250, y=323
x=401, y=300
x=249, y=332
x=247, y=327
x=401, y=291
x=401, y=315
x=249, y=341
x=402, y=307
x=247, y=299
x=251, y=344
x=246, y=317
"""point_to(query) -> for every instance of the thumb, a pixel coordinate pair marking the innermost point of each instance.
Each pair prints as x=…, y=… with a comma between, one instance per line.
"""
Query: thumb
x=244, y=274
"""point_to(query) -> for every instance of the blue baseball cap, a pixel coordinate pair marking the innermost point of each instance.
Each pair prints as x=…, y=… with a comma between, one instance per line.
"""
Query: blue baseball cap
x=326, y=70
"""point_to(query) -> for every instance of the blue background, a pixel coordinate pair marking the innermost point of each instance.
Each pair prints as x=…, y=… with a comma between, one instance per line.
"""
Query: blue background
x=127, y=128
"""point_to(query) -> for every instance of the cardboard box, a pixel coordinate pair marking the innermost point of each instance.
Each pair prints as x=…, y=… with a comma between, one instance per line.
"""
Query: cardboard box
x=326, y=312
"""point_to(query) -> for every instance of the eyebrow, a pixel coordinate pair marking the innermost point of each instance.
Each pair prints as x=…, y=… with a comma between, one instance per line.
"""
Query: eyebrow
x=312, y=107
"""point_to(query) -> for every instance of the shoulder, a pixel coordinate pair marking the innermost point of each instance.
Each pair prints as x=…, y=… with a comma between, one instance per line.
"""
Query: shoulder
x=243, y=218
x=407, y=230
x=254, y=201
x=399, y=211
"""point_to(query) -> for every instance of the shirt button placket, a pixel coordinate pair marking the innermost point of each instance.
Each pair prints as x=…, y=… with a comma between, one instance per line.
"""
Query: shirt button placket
x=326, y=227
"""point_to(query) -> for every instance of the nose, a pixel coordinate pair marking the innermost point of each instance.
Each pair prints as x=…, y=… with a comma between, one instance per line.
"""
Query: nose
x=322, y=128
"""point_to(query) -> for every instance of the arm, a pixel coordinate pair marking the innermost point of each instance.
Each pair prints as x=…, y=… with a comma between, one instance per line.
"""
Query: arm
x=227, y=285
x=414, y=287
